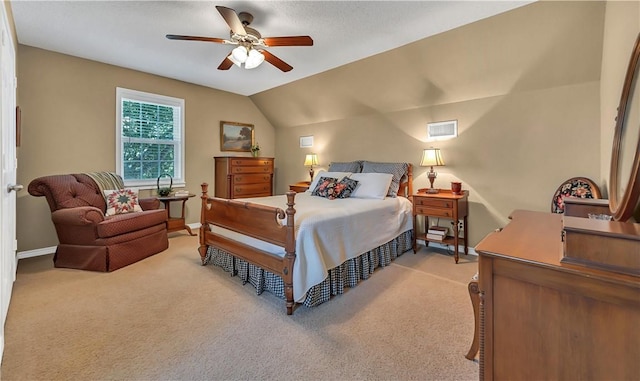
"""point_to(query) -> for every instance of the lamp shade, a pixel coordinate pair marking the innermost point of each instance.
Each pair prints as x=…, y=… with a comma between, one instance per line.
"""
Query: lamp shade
x=240, y=54
x=254, y=59
x=311, y=159
x=431, y=157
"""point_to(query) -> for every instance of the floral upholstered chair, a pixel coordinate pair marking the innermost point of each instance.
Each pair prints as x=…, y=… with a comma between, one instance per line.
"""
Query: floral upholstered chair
x=580, y=187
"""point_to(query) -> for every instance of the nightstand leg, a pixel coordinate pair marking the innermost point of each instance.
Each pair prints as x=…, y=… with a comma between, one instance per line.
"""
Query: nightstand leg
x=466, y=235
x=455, y=240
x=414, y=233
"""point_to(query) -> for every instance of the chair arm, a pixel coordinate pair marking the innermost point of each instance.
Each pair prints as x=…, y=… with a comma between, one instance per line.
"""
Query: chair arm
x=77, y=226
x=80, y=216
x=149, y=203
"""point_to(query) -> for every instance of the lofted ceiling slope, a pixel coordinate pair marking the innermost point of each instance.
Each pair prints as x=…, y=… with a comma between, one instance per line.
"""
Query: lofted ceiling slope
x=131, y=34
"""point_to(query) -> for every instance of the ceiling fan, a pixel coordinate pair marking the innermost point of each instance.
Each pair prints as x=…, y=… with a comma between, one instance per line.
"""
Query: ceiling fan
x=250, y=49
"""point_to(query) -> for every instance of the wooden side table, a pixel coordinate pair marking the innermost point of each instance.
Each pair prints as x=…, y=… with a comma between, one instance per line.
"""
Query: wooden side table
x=176, y=223
x=300, y=186
x=447, y=205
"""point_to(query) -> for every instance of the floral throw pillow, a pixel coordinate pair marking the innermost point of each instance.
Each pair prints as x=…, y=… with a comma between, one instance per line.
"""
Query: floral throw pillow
x=345, y=187
x=121, y=201
x=326, y=188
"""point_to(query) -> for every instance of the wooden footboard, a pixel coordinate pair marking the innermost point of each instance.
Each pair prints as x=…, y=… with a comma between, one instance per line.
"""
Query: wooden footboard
x=253, y=220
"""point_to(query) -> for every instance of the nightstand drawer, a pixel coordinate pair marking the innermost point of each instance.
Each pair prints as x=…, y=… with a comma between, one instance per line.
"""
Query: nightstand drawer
x=421, y=201
x=435, y=212
x=251, y=179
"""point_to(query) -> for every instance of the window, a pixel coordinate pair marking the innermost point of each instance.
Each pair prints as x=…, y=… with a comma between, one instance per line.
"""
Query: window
x=149, y=138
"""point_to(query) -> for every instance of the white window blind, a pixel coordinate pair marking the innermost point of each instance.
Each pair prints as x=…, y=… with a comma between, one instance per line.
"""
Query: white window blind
x=150, y=140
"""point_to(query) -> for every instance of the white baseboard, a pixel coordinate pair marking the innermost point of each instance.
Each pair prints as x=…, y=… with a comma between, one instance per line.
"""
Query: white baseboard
x=36, y=252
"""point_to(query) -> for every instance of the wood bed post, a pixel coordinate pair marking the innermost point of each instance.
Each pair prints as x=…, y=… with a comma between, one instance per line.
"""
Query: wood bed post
x=290, y=253
x=204, y=226
x=410, y=180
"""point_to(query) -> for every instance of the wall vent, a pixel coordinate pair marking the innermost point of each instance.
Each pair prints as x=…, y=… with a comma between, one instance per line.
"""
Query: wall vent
x=442, y=130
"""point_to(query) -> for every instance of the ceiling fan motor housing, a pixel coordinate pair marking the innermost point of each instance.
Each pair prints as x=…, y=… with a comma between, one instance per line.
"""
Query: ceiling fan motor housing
x=246, y=18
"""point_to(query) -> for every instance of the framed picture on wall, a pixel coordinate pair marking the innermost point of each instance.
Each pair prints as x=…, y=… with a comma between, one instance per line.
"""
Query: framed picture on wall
x=306, y=141
x=236, y=136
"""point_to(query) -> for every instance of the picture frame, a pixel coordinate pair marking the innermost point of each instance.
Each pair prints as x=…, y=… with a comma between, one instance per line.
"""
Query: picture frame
x=306, y=141
x=237, y=137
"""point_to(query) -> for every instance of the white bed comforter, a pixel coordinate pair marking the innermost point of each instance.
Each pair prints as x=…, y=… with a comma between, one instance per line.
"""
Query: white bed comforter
x=329, y=232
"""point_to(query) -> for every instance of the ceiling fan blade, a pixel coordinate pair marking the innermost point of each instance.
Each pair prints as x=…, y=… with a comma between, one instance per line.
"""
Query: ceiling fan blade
x=225, y=64
x=275, y=61
x=288, y=41
x=195, y=38
x=232, y=19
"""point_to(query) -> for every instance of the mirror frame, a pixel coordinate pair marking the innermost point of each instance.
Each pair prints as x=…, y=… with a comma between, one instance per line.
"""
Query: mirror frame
x=624, y=208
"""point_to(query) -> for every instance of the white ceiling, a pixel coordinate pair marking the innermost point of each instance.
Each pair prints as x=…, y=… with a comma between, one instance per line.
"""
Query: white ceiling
x=131, y=34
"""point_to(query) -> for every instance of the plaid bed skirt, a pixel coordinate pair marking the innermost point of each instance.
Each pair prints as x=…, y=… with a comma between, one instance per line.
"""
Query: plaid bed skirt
x=347, y=274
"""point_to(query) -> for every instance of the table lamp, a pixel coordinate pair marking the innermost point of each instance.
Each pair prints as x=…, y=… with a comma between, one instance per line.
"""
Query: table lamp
x=431, y=157
x=309, y=161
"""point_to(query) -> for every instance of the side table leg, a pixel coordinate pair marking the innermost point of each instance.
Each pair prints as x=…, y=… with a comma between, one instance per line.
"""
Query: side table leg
x=189, y=230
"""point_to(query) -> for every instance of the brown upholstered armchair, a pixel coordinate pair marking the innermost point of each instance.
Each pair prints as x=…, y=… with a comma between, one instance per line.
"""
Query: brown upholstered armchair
x=89, y=240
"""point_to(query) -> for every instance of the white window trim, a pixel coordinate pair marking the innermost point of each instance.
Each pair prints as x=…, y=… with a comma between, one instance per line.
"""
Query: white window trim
x=178, y=178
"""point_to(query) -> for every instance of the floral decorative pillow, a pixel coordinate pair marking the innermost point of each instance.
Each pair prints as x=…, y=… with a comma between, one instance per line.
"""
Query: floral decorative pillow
x=121, y=201
x=326, y=188
x=345, y=187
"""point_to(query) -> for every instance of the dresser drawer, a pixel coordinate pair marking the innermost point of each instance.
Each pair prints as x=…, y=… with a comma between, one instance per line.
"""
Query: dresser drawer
x=420, y=201
x=435, y=212
x=250, y=162
x=251, y=179
x=265, y=169
x=247, y=190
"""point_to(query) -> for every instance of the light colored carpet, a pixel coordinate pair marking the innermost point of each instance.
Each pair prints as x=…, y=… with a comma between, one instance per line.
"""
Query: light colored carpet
x=169, y=318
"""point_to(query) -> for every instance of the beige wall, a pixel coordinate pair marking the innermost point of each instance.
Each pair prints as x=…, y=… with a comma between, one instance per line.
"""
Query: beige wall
x=524, y=87
x=68, y=126
x=622, y=25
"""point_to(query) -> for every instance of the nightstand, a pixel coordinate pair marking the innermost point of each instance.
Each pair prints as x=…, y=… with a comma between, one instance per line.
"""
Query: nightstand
x=443, y=204
x=300, y=186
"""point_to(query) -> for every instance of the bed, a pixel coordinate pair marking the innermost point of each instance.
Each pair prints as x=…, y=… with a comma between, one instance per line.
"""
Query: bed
x=307, y=247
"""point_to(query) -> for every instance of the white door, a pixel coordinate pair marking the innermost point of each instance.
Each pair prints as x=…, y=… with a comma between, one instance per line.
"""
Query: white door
x=8, y=187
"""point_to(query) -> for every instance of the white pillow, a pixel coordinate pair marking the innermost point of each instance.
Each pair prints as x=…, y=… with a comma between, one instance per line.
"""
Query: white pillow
x=121, y=201
x=371, y=185
x=323, y=173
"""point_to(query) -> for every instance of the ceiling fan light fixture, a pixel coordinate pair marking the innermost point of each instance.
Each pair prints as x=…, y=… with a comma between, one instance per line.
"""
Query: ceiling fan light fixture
x=240, y=54
x=235, y=61
x=254, y=59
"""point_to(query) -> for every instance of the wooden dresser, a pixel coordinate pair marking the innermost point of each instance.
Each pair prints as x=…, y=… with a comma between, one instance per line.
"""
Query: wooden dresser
x=542, y=319
x=238, y=177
